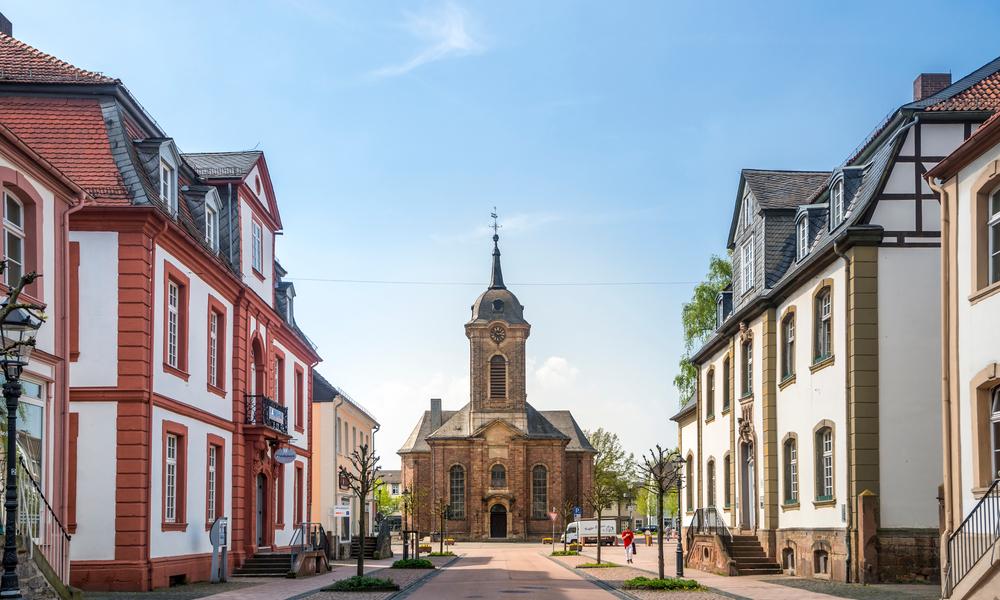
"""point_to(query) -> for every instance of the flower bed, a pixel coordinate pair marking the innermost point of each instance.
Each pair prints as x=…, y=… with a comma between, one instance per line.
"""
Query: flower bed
x=362, y=584
x=670, y=584
x=413, y=563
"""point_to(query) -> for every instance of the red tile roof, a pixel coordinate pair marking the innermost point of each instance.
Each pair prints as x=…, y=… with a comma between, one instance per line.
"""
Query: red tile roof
x=984, y=95
x=21, y=63
x=69, y=133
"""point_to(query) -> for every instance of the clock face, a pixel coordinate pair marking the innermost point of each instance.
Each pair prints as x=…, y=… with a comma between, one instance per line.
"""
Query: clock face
x=497, y=333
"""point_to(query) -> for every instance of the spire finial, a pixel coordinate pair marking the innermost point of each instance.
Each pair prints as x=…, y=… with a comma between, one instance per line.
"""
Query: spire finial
x=496, y=281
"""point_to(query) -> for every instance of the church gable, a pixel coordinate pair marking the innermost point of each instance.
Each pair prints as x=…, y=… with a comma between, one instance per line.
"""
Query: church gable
x=498, y=431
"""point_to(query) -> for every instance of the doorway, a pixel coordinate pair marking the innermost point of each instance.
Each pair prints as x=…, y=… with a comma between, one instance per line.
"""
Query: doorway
x=498, y=521
x=748, y=488
x=261, y=509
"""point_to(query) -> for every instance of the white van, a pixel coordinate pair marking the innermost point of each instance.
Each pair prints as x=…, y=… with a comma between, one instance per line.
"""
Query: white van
x=587, y=531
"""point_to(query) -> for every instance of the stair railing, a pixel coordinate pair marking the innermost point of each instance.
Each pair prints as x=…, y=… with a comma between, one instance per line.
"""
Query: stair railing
x=308, y=537
x=708, y=521
x=976, y=536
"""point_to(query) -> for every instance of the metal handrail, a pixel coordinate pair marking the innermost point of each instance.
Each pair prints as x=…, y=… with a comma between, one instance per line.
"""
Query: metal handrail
x=308, y=537
x=261, y=410
x=708, y=521
x=976, y=536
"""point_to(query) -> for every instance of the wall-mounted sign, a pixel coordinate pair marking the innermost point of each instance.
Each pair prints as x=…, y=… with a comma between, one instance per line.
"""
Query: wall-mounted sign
x=275, y=414
x=284, y=455
x=341, y=511
x=344, y=481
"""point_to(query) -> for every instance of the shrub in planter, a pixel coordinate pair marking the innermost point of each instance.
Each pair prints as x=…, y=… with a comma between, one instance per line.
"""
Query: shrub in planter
x=449, y=541
x=602, y=565
x=669, y=584
x=413, y=563
x=565, y=553
x=362, y=584
x=575, y=547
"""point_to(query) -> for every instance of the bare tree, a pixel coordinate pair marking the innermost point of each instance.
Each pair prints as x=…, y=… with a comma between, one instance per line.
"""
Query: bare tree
x=660, y=475
x=413, y=501
x=566, y=513
x=600, y=497
x=361, y=479
x=443, y=509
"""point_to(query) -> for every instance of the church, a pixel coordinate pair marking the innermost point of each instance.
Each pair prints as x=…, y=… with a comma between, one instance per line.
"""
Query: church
x=498, y=463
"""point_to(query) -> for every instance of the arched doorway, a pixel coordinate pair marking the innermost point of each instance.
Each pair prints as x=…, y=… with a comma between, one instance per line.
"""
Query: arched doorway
x=261, y=510
x=498, y=521
x=748, y=491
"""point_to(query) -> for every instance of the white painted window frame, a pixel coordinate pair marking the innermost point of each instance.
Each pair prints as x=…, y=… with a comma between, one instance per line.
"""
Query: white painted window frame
x=802, y=237
x=746, y=265
x=170, y=479
x=168, y=185
x=836, y=203
x=13, y=233
x=173, y=323
x=213, y=347
x=993, y=235
x=212, y=459
x=257, y=246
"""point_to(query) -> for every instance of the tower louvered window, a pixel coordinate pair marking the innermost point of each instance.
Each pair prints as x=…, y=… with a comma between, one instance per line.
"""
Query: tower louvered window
x=498, y=377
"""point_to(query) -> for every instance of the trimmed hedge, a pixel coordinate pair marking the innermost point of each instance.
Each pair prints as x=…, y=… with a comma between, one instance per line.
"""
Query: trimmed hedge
x=565, y=553
x=445, y=553
x=362, y=584
x=670, y=584
x=601, y=565
x=413, y=563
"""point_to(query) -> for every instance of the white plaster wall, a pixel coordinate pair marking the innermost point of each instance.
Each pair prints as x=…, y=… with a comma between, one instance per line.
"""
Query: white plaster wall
x=895, y=215
x=931, y=215
x=96, y=481
x=940, y=139
x=265, y=288
x=714, y=434
x=909, y=327
x=300, y=439
x=194, y=391
x=812, y=398
x=98, y=362
x=900, y=179
x=195, y=539
x=283, y=536
x=908, y=143
x=978, y=323
x=689, y=445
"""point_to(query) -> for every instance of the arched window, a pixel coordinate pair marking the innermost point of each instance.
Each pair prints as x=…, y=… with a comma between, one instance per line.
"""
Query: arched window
x=710, y=394
x=788, y=346
x=821, y=562
x=727, y=497
x=498, y=477
x=823, y=338
x=13, y=240
x=498, y=377
x=539, y=492
x=711, y=483
x=689, y=482
x=791, y=457
x=824, y=463
x=456, y=489
x=725, y=385
x=747, y=367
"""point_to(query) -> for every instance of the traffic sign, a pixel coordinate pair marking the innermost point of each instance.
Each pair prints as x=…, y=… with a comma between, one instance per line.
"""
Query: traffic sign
x=577, y=513
x=553, y=516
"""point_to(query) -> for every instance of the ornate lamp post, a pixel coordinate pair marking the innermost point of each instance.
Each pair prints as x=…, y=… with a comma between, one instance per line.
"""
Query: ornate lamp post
x=678, y=464
x=405, y=530
x=18, y=330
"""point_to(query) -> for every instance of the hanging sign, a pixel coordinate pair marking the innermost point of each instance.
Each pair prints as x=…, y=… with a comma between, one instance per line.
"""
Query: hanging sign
x=285, y=455
x=344, y=481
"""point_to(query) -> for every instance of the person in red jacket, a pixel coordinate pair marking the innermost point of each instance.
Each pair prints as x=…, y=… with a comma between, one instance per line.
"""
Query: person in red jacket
x=628, y=538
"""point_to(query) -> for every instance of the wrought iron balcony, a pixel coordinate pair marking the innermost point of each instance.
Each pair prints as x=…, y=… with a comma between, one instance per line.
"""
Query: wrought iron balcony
x=261, y=410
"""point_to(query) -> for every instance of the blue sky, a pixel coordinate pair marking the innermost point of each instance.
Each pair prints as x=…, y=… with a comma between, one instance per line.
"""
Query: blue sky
x=608, y=135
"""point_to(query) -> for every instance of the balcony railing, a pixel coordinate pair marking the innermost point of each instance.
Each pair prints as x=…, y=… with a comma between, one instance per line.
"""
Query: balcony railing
x=261, y=410
x=976, y=536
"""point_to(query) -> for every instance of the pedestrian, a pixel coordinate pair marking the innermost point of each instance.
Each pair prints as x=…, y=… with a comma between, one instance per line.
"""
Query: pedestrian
x=649, y=537
x=628, y=538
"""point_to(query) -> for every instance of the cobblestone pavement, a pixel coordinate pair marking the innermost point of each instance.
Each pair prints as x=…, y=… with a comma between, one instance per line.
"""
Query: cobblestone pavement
x=402, y=577
x=864, y=592
x=616, y=576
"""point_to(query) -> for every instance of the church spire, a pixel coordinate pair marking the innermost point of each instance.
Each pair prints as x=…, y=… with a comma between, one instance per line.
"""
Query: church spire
x=496, y=281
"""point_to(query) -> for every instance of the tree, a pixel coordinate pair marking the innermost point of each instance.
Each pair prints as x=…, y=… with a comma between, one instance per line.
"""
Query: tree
x=413, y=501
x=600, y=496
x=385, y=503
x=698, y=320
x=442, y=508
x=660, y=474
x=361, y=479
x=565, y=511
x=612, y=464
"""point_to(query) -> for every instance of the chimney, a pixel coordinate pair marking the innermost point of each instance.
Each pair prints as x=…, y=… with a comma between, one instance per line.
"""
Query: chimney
x=928, y=84
x=6, y=26
x=435, y=412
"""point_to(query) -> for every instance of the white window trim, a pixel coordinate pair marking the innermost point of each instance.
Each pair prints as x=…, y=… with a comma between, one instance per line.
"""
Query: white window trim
x=170, y=493
x=173, y=323
x=212, y=462
x=213, y=347
x=257, y=246
x=802, y=237
x=994, y=438
x=746, y=265
x=10, y=228
x=747, y=212
x=993, y=241
x=793, y=471
x=212, y=227
x=837, y=212
x=168, y=185
x=827, y=463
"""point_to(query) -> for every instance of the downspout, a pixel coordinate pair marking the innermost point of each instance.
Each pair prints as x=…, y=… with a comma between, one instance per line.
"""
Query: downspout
x=149, y=399
x=847, y=426
x=371, y=450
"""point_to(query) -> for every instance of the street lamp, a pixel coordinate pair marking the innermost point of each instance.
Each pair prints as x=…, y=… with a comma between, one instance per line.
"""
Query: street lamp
x=17, y=330
x=404, y=530
x=678, y=468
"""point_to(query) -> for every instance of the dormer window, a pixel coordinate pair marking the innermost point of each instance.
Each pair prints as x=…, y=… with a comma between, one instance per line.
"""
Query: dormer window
x=746, y=266
x=212, y=227
x=719, y=315
x=747, y=212
x=802, y=237
x=168, y=186
x=837, y=203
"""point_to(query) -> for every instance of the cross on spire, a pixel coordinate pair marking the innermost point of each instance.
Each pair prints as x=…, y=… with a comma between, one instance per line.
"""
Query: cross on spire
x=496, y=226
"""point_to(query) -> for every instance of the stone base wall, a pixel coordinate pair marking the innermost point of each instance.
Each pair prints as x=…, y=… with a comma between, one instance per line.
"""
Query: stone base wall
x=909, y=555
x=801, y=552
x=706, y=553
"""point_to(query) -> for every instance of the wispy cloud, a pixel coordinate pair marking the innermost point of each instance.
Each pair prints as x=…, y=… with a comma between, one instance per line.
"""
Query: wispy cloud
x=514, y=224
x=445, y=32
x=556, y=373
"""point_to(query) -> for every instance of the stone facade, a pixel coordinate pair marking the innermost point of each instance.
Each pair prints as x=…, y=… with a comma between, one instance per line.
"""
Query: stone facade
x=499, y=464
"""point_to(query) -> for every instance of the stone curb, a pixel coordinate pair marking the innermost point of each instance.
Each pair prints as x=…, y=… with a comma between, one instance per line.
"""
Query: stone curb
x=709, y=588
x=395, y=594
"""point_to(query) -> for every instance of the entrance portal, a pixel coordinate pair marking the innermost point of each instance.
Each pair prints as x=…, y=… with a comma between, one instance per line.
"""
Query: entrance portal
x=748, y=489
x=498, y=521
x=261, y=504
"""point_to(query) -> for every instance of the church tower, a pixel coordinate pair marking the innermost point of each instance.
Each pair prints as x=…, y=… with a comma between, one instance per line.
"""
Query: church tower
x=497, y=334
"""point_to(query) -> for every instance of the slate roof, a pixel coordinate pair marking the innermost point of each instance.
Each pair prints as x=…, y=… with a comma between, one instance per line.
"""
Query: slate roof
x=783, y=189
x=684, y=411
x=391, y=476
x=21, y=63
x=223, y=165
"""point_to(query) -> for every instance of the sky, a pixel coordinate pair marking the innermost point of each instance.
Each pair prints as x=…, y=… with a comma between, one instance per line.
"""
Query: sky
x=609, y=137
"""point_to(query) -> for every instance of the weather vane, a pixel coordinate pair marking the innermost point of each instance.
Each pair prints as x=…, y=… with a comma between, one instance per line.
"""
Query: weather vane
x=496, y=226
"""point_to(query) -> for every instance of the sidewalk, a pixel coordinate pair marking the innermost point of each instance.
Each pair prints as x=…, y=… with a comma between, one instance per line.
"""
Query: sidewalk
x=289, y=588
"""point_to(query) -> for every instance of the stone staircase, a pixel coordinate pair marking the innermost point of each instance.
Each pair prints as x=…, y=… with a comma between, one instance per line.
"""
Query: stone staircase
x=266, y=565
x=371, y=543
x=749, y=556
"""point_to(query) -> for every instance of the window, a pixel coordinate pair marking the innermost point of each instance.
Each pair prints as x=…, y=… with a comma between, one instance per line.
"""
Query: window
x=746, y=265
x=298, y=495
x=837, y=204
x=719, y=318
x=498, y=477
x=213, y=348
x=710, y=395
x=300, y=406
x=175, y=324
x=802, y=237
x=13, y=224
x=824, y=330
x=456, y=488
x=257, y=246
x=211, y=483
x=168, y=188
x=995, y=432
x=791, y=472
x=216, y=345
x=174, y=485
x=498, y=377
x=993, y=226
x=354, y=439
x=747, y=367
x=539, y=492
x=689, y=483
x=727, y=498
x=821, y=562
x=824, y=464
x=788, y=346
x=215, y=484
x=725, y=385
x=212, y=227
x=747, y=209
x=394, y=489
x=711, y=483
x=344, y=450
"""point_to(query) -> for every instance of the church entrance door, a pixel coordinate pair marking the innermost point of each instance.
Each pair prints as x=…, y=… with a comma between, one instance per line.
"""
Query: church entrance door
x=498, y=521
